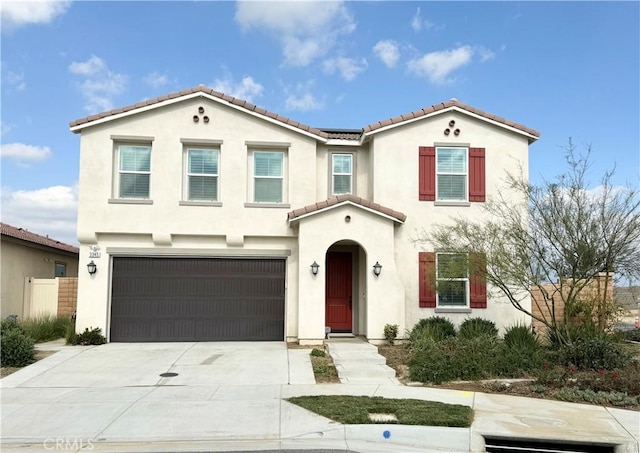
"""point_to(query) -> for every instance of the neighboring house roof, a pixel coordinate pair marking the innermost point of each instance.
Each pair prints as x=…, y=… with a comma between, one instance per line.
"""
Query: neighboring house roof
x=322, y=134
x=21, y=233
x=341, y=200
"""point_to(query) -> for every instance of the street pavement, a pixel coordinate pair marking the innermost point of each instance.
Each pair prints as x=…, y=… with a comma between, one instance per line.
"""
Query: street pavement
x=232, y=397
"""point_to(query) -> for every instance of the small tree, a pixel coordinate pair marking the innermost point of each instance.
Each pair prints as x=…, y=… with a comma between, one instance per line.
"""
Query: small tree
x=558, y=234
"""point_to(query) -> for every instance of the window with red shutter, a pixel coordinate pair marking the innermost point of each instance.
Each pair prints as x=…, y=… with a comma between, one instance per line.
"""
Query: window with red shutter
x=428, y=191
x=453, y=293
x=426, y=267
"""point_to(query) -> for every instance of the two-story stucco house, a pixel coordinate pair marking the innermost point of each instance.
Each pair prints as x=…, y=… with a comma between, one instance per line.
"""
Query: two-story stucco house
x=209, y=218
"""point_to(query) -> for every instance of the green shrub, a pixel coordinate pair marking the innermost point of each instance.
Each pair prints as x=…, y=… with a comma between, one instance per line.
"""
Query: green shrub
x=456, y=359
x=47, y=327
x=436, y=328
x=603, y=398
x=11, y=323
x=88, y=337
x=70, y=334
x=391, y=332
x=594, y=353
x=520, y=336
x=315, y=352
x=17, y=349
x=476, y=327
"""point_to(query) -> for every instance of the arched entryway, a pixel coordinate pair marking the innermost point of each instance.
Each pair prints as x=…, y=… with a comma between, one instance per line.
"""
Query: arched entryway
x=345, y=288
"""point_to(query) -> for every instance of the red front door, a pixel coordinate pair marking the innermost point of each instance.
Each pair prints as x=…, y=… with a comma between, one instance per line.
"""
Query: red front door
x=338, y=306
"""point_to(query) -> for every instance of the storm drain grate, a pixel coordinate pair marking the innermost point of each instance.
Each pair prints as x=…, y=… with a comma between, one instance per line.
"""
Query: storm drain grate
x=505, y=445
x=168, y=374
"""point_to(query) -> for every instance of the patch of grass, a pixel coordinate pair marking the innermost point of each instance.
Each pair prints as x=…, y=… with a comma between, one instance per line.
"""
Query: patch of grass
x=46, y=327
x=356, y=409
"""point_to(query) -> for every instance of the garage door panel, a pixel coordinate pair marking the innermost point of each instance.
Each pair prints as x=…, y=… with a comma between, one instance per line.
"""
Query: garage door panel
x=184, y=299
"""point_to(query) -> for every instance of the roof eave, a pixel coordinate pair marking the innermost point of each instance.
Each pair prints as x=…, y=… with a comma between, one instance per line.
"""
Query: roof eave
x=531, y=137
x=344, y=203
x=79, y=127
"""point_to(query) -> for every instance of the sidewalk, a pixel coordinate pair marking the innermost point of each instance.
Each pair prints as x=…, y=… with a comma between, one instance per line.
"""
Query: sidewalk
x=194, y=415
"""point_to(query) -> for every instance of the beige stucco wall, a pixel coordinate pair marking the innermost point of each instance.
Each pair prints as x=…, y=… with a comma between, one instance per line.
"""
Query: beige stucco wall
x=228, y=230
x=395, y=171
x=381, y=297
x=386, y=168
x=19, y=261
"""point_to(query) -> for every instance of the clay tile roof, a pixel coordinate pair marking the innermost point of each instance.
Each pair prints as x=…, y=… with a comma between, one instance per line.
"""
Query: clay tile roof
x=445, y=105
x=399, y=216
x=20, y=233
x=201, y=89
x=342, y=134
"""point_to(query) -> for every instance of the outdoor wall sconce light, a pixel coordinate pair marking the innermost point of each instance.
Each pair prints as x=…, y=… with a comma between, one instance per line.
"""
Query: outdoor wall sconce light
x=92, y=268
x=377, y=268
x=314, y=268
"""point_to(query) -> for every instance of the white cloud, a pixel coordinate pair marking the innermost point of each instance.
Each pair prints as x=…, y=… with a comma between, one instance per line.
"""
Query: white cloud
x=24, y=154
x=307, y=29
x=301, y=98
x=485, y=54
x=437, y=66
x=387, y=51
x=18, y=13
x=5, y=128
x=48, y=211
x=349, y=68
x=416, y=21
x=156, y=80
x=16, y=80
x=303, y=102
x=90, y=67
x=247, y=89
x=100, y=85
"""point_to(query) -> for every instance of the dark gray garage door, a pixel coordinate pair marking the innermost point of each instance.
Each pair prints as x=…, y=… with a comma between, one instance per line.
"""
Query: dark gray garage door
x=197, y=299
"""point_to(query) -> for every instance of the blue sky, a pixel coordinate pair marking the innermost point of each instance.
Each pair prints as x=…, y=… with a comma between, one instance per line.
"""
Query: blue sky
x=567, y=69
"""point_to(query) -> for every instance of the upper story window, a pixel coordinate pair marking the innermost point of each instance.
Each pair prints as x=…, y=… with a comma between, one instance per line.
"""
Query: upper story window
x=134, y=171
x=451, y=174
x=202, y=174
x=342, y=173
x=268, y=176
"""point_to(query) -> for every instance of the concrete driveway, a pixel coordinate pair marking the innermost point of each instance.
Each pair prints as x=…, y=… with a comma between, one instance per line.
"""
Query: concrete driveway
x=114, y=392
x=140, y=364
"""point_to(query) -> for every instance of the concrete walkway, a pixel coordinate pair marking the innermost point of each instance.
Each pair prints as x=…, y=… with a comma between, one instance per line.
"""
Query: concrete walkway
x=358, y=362
x=231, y=397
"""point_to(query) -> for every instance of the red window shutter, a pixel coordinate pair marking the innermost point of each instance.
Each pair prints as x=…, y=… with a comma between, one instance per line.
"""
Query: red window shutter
x=427, y=173
x=477, y=283
x=427, y=293
x=476, y=174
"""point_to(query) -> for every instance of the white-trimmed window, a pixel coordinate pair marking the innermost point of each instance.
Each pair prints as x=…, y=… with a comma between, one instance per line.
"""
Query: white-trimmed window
x=268, y=176
x=452, y=279
x=452, y=173
x=134, y=171
x=341, y=173
x=202, y=174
